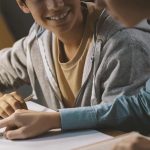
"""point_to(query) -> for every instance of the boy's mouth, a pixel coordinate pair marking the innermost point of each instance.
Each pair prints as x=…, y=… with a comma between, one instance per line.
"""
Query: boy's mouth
x=59, y=17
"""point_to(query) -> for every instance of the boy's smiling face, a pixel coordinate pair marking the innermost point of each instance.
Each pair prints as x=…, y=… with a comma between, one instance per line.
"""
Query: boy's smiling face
x=55, y=15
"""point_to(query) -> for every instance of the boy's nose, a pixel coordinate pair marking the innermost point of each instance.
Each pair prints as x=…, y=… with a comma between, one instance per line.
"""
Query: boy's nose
x=54, y=4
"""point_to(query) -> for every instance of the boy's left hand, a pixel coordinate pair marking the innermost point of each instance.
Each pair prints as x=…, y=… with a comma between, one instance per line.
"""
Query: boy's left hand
x=25, y=124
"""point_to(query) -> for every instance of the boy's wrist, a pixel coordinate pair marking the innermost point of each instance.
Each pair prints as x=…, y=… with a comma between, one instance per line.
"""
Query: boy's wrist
x=56, y=120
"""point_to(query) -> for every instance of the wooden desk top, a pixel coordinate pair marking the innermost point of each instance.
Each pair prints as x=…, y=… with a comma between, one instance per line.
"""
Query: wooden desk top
x=113, y=133
x=105, y=145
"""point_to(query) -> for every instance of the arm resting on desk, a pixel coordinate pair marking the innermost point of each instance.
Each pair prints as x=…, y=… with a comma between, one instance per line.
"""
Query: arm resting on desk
x=126, y=113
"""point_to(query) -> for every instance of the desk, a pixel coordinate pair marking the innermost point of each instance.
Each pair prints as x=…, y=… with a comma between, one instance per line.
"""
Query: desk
x=54, y=139
x=113, y=133
x=105, y=145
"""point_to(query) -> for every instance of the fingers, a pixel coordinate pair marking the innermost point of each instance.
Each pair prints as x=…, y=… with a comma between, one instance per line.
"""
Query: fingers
x=7, y=122
x=11, y=131
x=17, y=126
x=14, y=103
x=17, y=96
x=6, y=108
x=9, y=103
x=3, y=114
x=14, y=134
x=20, y=99
x=25, y=124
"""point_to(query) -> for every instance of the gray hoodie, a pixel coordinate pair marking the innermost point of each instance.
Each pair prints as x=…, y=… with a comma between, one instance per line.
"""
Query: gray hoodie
x=117, y=63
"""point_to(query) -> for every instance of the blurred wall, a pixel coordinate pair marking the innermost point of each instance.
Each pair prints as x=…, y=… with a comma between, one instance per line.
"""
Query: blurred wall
x=6, y=37
x=18, y=22
x=14, y=24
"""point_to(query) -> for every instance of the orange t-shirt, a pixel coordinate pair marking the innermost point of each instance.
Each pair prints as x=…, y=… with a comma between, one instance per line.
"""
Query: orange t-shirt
x=69, y=74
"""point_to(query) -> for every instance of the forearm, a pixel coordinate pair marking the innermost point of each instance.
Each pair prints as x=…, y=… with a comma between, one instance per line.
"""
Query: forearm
x=56, y=120
x=126, y=113
x=78, y=118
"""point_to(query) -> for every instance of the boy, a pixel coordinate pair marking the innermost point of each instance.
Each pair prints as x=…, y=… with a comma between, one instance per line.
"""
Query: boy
x=71, y=63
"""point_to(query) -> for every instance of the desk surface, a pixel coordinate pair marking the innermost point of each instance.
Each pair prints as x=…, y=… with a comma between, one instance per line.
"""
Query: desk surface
x=113, y=133
x=94, y=138
x=104, y=145
x=54, y=140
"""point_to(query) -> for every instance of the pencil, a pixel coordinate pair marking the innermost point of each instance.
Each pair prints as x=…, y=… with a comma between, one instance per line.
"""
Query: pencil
x=28, y=98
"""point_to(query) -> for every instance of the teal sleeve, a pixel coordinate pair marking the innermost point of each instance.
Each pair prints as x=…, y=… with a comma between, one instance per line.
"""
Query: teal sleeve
x=126, y=113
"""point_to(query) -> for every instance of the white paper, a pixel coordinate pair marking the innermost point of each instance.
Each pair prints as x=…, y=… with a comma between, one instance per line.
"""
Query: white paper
x=36, y=107
x=54, y=140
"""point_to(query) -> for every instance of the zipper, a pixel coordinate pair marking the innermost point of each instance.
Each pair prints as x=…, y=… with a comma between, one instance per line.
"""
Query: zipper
x=84, y=84
x=48, y=71
x=93, y=68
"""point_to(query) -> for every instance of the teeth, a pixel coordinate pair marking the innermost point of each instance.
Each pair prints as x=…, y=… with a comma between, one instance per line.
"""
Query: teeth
x=62, y=16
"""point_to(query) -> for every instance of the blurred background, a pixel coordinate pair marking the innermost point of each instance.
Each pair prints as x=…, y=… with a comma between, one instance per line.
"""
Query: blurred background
x=14, y=24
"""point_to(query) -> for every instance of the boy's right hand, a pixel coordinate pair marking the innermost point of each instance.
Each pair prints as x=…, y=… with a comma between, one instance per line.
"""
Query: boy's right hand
x=9, y=103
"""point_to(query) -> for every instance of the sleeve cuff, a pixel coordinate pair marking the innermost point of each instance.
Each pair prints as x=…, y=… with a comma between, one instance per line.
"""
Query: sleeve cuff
x=78, y=118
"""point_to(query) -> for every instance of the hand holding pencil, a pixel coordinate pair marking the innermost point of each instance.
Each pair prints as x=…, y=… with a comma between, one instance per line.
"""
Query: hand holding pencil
x=11, y=102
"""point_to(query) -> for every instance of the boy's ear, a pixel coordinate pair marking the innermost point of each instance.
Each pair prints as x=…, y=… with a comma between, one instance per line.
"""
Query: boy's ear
x=23, y=6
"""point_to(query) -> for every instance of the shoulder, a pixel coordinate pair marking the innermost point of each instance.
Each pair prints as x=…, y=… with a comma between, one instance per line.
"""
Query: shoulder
x=107, y=28
x=30, y=40
x=36, y=30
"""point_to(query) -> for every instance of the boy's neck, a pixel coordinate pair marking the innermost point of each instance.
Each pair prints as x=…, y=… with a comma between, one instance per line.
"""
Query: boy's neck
x=72, y=39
